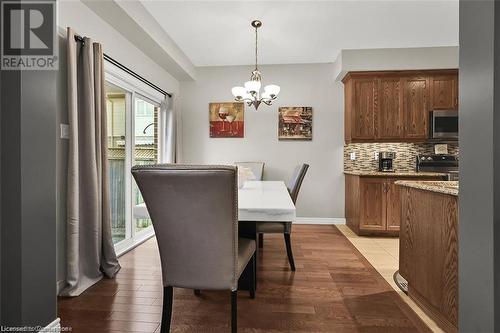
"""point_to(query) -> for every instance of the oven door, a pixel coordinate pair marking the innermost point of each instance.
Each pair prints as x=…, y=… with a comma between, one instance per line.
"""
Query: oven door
x=444, y=124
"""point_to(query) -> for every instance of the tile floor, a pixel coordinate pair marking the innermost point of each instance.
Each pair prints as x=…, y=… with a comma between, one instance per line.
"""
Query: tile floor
x=383, y=255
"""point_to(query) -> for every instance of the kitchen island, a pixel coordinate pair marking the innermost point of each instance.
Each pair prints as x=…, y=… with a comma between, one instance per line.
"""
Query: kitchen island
x=428, y=245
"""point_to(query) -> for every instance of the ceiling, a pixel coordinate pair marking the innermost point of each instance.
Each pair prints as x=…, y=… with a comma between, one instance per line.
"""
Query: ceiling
x=218, y=33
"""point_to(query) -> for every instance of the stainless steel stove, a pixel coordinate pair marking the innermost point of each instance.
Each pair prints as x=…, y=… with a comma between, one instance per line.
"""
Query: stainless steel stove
x=439, y=164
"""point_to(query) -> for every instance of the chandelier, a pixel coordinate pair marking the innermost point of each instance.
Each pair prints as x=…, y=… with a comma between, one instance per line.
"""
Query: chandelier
x=251, y=93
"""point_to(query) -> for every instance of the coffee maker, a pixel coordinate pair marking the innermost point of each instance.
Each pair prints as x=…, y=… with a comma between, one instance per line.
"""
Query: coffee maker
x=385, y=159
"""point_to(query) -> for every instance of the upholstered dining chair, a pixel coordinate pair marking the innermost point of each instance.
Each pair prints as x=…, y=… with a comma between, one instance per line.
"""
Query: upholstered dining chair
x=194, y=210
x=256, y=167
x=285, y=228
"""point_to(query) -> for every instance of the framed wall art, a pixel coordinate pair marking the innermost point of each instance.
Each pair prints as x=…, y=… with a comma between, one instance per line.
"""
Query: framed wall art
x=227, y=120
x=295, y=123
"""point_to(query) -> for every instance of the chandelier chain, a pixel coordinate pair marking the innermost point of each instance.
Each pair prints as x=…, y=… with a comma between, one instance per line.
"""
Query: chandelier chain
x=256, y=47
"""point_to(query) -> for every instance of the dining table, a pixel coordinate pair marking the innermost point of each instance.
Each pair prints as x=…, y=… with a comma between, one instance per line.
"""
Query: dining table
x=258, y=202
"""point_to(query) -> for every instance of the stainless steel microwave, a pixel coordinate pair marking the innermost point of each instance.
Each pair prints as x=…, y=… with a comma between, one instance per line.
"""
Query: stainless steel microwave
x=444, y=124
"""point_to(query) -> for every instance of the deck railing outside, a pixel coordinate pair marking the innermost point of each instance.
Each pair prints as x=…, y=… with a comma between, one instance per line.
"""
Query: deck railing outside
x=116, y=157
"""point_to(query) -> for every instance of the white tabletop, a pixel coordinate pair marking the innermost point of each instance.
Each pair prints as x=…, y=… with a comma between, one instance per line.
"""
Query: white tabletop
x=263, y=201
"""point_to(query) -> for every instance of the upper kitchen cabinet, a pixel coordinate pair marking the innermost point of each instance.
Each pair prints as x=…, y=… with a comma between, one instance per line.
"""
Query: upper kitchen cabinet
x=361, y=96
x=394, y=106
x=416, y=107
x=390, y=117
x=444, y=91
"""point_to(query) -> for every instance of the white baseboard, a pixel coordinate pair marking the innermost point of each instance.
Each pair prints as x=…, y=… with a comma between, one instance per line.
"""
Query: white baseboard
x=319, y=220
x=53, y=327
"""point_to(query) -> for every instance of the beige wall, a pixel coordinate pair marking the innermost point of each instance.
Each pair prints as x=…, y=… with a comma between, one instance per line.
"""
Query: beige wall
x=322, y=194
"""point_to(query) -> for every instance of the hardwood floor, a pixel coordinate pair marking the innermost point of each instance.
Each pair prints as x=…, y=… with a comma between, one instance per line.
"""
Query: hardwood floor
x=333, y=290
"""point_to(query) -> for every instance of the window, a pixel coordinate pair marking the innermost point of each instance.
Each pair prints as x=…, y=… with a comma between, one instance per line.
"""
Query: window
x=135, y=129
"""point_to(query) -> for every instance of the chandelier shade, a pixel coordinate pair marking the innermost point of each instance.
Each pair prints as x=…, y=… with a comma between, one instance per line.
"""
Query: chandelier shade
x=252, y=87
x=272, y=89
x=251, y=91
x=239, y=92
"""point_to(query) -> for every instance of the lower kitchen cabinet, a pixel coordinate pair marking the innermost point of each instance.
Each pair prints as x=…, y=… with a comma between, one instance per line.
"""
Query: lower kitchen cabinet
x=372, y=204
x=393, y=200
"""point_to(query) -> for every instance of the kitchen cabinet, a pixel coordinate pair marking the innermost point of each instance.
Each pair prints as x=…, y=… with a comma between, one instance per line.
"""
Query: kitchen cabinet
x=390, y=115
x=444, y=92
x=372, y=203
x=394, y=106
x=362, y=93
x=393, y=217
x=416, y=106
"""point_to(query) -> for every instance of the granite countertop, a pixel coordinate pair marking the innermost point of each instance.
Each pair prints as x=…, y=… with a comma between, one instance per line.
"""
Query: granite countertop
x=394, y=174
x=445, y=187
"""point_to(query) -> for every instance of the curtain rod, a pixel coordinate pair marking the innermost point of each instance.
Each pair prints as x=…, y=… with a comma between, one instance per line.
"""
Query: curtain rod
x=128, y=70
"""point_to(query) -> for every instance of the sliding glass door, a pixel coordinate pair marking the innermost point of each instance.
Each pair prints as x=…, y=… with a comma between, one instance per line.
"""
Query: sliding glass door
x=117, y=106
x=145, y=148
x=134, y=137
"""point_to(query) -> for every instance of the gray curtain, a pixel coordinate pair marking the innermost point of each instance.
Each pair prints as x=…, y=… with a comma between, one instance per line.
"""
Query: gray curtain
x=172, y=130
x=90, y=251
x=176, y=109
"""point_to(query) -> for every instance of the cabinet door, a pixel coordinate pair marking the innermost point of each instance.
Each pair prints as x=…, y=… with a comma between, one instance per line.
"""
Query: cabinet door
x=373, y=204
x=444, y=92
x=390, y=115
x=416, y=107
x=363, y=108
x=393, y=196
x=352, y=202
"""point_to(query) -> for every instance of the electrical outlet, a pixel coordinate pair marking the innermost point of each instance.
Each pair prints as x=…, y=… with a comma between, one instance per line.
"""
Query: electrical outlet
x=64, y=131
x=375, y=155
x=353, y=156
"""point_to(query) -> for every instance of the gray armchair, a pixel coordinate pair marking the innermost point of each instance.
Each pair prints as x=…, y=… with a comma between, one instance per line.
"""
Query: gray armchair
x=194, y=210
x=285, y=228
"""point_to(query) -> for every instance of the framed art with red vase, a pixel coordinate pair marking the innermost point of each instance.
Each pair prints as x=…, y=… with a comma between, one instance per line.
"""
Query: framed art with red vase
x=227, y=120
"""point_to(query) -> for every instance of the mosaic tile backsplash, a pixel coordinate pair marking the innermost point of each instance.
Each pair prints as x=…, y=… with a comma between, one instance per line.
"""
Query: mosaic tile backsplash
x=406, y=154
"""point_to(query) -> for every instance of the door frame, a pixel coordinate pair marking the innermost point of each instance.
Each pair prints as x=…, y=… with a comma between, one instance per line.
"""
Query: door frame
x=135, y=89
